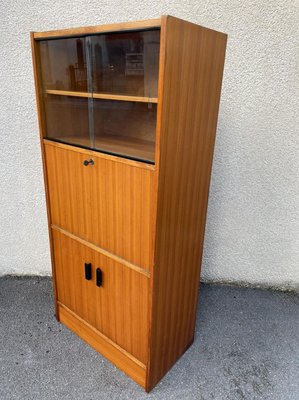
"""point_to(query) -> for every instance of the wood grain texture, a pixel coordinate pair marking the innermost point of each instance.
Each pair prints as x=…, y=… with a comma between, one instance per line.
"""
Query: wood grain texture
x=88, y=30
x=194, y=59
x=108, y=204
x=122, y=359
x=118, y=309
x=104, y=96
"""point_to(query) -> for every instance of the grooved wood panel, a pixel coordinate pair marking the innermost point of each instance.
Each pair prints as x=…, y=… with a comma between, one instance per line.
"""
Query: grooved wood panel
x=118, y=309
x=194, y=59
x=108, y=204
x=99, y=342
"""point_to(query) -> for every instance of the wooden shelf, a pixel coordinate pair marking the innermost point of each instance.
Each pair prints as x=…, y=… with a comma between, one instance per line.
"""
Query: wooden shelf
x=139, y=149
x=104, y=96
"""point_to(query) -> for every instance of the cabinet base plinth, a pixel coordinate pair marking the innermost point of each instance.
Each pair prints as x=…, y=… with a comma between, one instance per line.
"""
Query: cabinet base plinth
x=119, y=357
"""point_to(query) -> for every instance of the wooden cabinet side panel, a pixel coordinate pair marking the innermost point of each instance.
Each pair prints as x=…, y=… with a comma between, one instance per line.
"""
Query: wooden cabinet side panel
x=194, y=60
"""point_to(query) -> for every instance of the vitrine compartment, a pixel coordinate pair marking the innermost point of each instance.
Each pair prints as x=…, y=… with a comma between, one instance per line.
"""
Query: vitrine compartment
x=122, y=128
x=103, y=88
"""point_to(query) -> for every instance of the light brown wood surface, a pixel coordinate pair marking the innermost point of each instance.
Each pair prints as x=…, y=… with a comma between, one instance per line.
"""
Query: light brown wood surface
x=118, y=308
x=191, y=91
x=104, y=96
x=122, y=359
x=108, y=204
x=122, y=26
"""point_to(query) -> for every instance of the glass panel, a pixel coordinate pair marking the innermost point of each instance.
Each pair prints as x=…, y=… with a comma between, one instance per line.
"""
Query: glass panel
x=126, y=63
x=100, y=91
x=67, y=119
x=125, y=73
x=63, y=75
x=63, y=64
x=125, y=128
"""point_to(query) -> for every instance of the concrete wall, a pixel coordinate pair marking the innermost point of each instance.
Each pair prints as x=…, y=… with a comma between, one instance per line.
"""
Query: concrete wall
x=252, y=227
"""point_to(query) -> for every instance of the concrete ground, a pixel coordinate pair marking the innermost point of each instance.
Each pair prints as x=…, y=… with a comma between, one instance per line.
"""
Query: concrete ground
x=246, y=347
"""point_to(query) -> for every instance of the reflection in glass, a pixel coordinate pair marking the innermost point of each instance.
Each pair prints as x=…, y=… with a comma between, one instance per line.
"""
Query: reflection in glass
x=126, y=63
x=63, y=64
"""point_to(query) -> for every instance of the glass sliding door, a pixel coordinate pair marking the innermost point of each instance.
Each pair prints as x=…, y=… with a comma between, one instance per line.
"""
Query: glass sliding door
x=66, y=99
x=126, y=63
x=101, y=91
x=125, y=128
x=125, y=90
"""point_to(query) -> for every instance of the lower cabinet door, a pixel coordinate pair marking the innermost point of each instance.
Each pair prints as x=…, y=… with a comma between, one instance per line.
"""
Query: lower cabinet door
x=111, y=297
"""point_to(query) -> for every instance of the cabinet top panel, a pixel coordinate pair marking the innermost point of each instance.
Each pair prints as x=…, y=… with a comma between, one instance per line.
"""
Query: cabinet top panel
x=89, y=30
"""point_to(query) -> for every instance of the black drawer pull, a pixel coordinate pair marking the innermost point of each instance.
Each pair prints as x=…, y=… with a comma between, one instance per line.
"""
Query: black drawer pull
x=88, y=271
x=99, y=277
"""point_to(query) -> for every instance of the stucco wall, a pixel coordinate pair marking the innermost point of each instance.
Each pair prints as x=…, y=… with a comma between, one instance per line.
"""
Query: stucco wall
x=252, y=227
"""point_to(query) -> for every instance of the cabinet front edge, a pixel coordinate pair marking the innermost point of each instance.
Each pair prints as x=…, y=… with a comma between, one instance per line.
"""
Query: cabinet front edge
x=90, y=30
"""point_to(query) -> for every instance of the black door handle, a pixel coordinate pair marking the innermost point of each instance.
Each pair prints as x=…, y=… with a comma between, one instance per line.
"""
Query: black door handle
x=99, y=277
x=87, y=271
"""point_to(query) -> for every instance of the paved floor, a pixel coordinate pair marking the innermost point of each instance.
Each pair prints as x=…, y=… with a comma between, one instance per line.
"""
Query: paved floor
x=246, y=347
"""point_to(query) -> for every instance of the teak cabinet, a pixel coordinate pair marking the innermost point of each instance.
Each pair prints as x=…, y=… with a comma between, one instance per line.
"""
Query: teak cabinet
x=127, y=116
